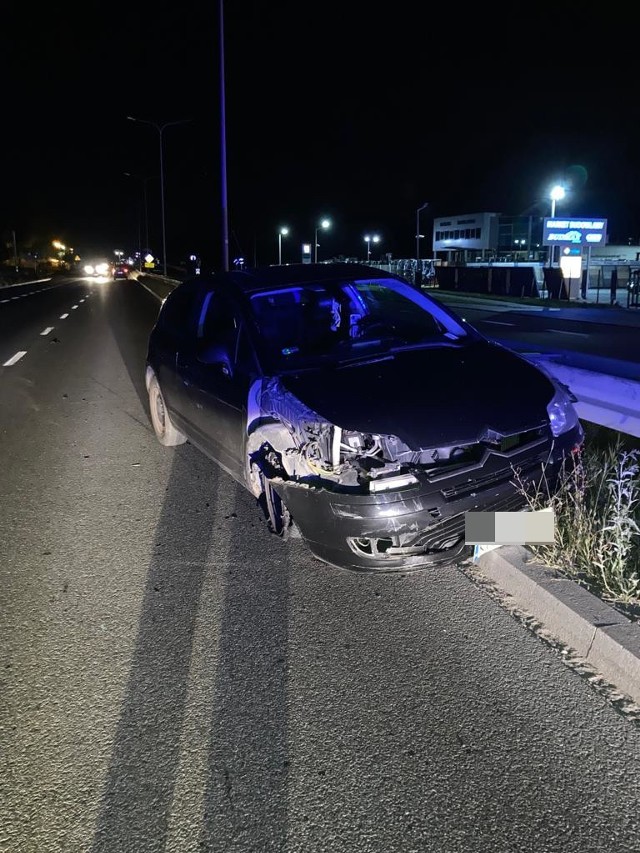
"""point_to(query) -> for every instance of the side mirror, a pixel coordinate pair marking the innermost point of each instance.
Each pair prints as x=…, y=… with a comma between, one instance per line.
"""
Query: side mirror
x=217, y=357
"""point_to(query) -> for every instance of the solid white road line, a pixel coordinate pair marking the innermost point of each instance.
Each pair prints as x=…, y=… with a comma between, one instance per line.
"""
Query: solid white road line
x=562, y=332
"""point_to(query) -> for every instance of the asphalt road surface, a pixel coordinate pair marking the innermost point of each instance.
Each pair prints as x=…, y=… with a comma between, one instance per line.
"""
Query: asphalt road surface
x=176, y=679
x=591, y=332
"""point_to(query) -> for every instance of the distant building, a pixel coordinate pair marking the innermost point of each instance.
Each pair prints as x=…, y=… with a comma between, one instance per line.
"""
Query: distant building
x=489, y=238
x=485, y=237
x=495, y=238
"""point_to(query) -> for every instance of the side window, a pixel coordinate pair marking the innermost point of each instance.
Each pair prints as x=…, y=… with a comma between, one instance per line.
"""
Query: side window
x=245, y=356
x=217, y=324
x=221, y=336
x=176, y=313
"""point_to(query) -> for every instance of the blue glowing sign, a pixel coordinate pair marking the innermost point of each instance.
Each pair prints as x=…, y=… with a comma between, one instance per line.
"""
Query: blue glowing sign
x=574, y=232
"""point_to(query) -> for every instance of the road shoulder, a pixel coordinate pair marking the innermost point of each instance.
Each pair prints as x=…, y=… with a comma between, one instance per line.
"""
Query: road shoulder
x=594, y=632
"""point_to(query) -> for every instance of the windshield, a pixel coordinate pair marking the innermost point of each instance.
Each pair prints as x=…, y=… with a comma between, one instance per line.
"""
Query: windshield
x=311, y=324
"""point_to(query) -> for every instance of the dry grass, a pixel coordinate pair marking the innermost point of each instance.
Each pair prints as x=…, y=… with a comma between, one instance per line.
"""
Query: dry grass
x=597, y=521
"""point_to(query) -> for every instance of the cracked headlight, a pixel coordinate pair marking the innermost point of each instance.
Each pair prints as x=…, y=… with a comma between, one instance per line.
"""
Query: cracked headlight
x=562, y=414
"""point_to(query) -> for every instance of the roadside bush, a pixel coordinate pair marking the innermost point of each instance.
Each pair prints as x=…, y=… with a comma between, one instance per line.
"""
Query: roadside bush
x=597, y=522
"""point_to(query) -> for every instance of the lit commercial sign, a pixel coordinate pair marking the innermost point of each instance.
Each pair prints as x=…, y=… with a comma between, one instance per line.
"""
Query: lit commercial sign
x=574, y=232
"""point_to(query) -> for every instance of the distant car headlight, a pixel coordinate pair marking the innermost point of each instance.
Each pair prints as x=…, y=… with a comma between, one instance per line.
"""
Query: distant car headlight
x=102, y=269
x=562, y=414
x=89, y=269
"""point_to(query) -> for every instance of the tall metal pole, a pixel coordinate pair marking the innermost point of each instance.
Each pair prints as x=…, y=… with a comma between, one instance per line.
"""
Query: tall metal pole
x=419, y=210
x=144, y=180
x=15, y=252
x=164, y=237
x=557, y=192
x=160, y=128
x=315, y=249
x=146, y=215
x=552, y=248
x=223, y=149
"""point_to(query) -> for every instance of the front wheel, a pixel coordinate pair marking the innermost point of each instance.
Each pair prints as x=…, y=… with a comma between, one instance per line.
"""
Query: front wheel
x=278, y=516
x=166, y=433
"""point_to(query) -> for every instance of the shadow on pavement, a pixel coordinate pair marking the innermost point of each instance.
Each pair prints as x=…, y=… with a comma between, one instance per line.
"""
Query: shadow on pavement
x=245, y=794
x=243, y=725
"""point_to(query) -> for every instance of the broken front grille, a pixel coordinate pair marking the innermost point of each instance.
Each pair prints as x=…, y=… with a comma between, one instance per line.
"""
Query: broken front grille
x=478, y=484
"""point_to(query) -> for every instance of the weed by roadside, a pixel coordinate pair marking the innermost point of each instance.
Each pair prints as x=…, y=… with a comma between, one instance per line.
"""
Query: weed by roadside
x=597, y=521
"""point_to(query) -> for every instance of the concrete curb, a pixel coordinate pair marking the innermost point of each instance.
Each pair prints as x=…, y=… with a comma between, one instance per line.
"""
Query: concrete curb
x=600, y=635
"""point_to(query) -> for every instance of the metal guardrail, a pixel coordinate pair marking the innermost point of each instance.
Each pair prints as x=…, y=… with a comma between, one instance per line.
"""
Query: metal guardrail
x=610, y=401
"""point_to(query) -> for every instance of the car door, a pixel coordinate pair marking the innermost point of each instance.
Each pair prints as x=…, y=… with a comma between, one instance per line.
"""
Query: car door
x=174, y=328
x=216, y=370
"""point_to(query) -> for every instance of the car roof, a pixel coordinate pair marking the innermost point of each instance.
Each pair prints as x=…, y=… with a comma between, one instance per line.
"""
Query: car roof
x=271, y=278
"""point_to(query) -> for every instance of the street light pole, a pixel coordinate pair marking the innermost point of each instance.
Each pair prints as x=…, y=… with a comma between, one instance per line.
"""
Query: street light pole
x=223, y=144
x=326, y=223
x=144, y=180
x=282, y=232
x=160, y=128
x=557, y=194
x=368, y=240
x=418, y=235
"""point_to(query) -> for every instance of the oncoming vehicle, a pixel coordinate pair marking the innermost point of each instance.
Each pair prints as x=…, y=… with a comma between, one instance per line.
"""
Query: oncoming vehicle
x=97, y=269
x=357, y=409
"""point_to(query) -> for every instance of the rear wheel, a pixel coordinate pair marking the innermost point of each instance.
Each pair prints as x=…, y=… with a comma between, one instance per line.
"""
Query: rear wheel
x=166, y=433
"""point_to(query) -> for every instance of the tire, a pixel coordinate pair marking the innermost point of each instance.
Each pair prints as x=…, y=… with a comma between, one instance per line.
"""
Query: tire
x=278, y=516
x=167, y=434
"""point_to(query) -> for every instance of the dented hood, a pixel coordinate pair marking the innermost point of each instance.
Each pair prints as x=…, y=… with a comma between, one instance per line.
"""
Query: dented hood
x=432, y=396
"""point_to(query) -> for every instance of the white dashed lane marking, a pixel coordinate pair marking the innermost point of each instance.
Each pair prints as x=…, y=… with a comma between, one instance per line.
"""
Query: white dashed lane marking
x=14, y=358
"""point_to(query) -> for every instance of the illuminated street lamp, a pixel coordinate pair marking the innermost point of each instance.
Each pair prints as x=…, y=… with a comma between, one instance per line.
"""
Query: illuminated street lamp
x=557, y=193
x=160, y=128
x=326, y=223
x=281, y=233
x=369, y=240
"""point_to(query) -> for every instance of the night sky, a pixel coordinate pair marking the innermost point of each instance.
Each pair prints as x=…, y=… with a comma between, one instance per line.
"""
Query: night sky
x=354, y=111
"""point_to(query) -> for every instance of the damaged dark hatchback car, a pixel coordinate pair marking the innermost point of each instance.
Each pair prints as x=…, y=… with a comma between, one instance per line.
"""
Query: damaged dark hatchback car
x=359, y=411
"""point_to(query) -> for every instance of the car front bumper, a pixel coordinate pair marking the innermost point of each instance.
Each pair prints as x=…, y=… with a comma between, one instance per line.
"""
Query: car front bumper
x=415, y=526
